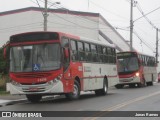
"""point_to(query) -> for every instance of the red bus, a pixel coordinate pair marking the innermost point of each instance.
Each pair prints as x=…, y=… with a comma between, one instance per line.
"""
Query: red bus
x=49, y=63
x=136, y=69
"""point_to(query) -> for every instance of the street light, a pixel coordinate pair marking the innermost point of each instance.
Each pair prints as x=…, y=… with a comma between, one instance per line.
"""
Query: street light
x=45, y=14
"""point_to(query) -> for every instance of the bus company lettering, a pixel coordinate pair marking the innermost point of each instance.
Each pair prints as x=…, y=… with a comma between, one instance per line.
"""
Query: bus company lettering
x=42, y=79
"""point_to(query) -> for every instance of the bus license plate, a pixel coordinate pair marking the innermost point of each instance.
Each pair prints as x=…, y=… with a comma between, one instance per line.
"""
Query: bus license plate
x=33, y=89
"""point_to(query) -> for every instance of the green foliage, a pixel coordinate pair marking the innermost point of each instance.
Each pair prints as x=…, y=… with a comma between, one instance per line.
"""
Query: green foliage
x=2, y=62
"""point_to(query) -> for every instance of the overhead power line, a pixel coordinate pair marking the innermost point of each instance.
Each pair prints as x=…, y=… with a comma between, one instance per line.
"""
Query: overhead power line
x=144, y=15
x=109, y=11
x=143, y=41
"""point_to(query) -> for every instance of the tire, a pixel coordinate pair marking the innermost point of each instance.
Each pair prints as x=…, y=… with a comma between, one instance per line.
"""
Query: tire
x=131, y=85
x=34, y=98
x=150, y=83
x=76, y=92
x=119, y=86
x=143, y=83
x=104, y=90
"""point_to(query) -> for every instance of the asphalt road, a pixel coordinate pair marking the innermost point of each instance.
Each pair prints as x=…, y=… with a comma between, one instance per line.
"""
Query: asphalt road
x=126, y=99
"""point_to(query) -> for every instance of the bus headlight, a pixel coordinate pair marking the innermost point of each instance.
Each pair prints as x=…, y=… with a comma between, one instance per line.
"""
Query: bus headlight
x=15, y=83
x=137, y=74
x=57, y=78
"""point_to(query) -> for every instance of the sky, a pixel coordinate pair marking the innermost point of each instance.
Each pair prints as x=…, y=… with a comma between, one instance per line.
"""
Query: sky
x=116, y=12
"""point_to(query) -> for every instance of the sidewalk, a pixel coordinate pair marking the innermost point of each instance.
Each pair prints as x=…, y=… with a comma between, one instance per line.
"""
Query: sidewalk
x=12, y=97
x=5, y=99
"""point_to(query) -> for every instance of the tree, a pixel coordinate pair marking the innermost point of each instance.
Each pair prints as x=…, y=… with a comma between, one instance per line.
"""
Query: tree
x=3, y=63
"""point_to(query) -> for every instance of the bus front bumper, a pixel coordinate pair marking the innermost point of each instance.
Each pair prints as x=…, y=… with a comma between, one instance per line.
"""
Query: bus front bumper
x=129, y=80
x=36, y=89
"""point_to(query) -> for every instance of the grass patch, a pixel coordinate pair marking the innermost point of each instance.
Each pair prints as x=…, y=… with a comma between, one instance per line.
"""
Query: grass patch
x=3, y=91
x=3, y=81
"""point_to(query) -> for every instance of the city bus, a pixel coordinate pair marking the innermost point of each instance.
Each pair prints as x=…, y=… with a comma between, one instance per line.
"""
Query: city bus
x=136, y=69
x=56, y=63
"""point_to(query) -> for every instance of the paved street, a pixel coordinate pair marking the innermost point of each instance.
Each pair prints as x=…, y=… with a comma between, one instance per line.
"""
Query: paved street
x=126, y=99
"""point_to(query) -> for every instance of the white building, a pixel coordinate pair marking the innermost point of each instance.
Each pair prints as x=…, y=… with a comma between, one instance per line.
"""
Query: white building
x=90, y=25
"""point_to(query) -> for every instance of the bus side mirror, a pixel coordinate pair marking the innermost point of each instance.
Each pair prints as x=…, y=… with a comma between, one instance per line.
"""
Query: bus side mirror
x=5, y=52
x=66, y=53
x=140, y=62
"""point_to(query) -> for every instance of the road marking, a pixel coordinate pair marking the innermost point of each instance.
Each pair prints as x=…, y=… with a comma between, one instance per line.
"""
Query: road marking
x=118, y=106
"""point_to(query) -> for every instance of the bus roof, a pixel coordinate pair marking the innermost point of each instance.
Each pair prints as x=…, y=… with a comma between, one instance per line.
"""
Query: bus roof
x=136, y=52
x=104, y=43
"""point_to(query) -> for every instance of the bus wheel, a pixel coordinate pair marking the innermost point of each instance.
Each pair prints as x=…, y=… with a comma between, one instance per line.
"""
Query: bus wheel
x=143, y=83
x=131, y=85
x=119, y=86
x=104, y=90
x=34, y=98
x=76, y=92
x=150, y=83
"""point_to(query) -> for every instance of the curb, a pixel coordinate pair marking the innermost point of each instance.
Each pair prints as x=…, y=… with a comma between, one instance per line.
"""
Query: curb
x=12, y=102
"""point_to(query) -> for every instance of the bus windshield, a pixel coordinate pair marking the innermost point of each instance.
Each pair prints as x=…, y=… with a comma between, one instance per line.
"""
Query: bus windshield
x=127, y=64
x=34, y=58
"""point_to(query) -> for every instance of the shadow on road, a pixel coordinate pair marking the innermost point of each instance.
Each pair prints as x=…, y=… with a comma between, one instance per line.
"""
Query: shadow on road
x=62, y=99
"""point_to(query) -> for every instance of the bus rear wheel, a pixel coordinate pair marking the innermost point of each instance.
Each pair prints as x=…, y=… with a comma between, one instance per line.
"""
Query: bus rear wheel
x=34, y=98
x=104, y=90
x=76, y=92
x=151, y=82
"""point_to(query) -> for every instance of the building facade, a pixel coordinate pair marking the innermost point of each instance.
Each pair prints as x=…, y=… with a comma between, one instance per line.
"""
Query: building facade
x=85, y=24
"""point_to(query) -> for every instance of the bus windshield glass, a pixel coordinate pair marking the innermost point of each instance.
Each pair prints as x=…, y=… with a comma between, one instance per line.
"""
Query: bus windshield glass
x=34, y=58
x=128, y=64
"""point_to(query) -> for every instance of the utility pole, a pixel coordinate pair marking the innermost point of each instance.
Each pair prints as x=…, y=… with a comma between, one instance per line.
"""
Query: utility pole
x=45, y=15
x=131, y=26
x=157, y=46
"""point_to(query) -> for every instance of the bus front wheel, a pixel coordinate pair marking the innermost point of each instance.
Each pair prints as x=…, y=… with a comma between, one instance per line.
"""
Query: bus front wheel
x=76, y=92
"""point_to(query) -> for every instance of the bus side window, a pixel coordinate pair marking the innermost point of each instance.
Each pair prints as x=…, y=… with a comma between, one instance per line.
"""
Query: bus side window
x=65, y=42
x=65, y=46
x=143, y=60
x=81, y=53
x=88, y=54
x=94, y=53
x=114, y=55
x=154, y=62
x=100, y=53
x=109, y=55
x=105, y=55
x=74, y=53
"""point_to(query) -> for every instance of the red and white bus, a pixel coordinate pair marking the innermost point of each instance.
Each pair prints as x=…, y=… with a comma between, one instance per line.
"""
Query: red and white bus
x=136, y=69
x=47, y=63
